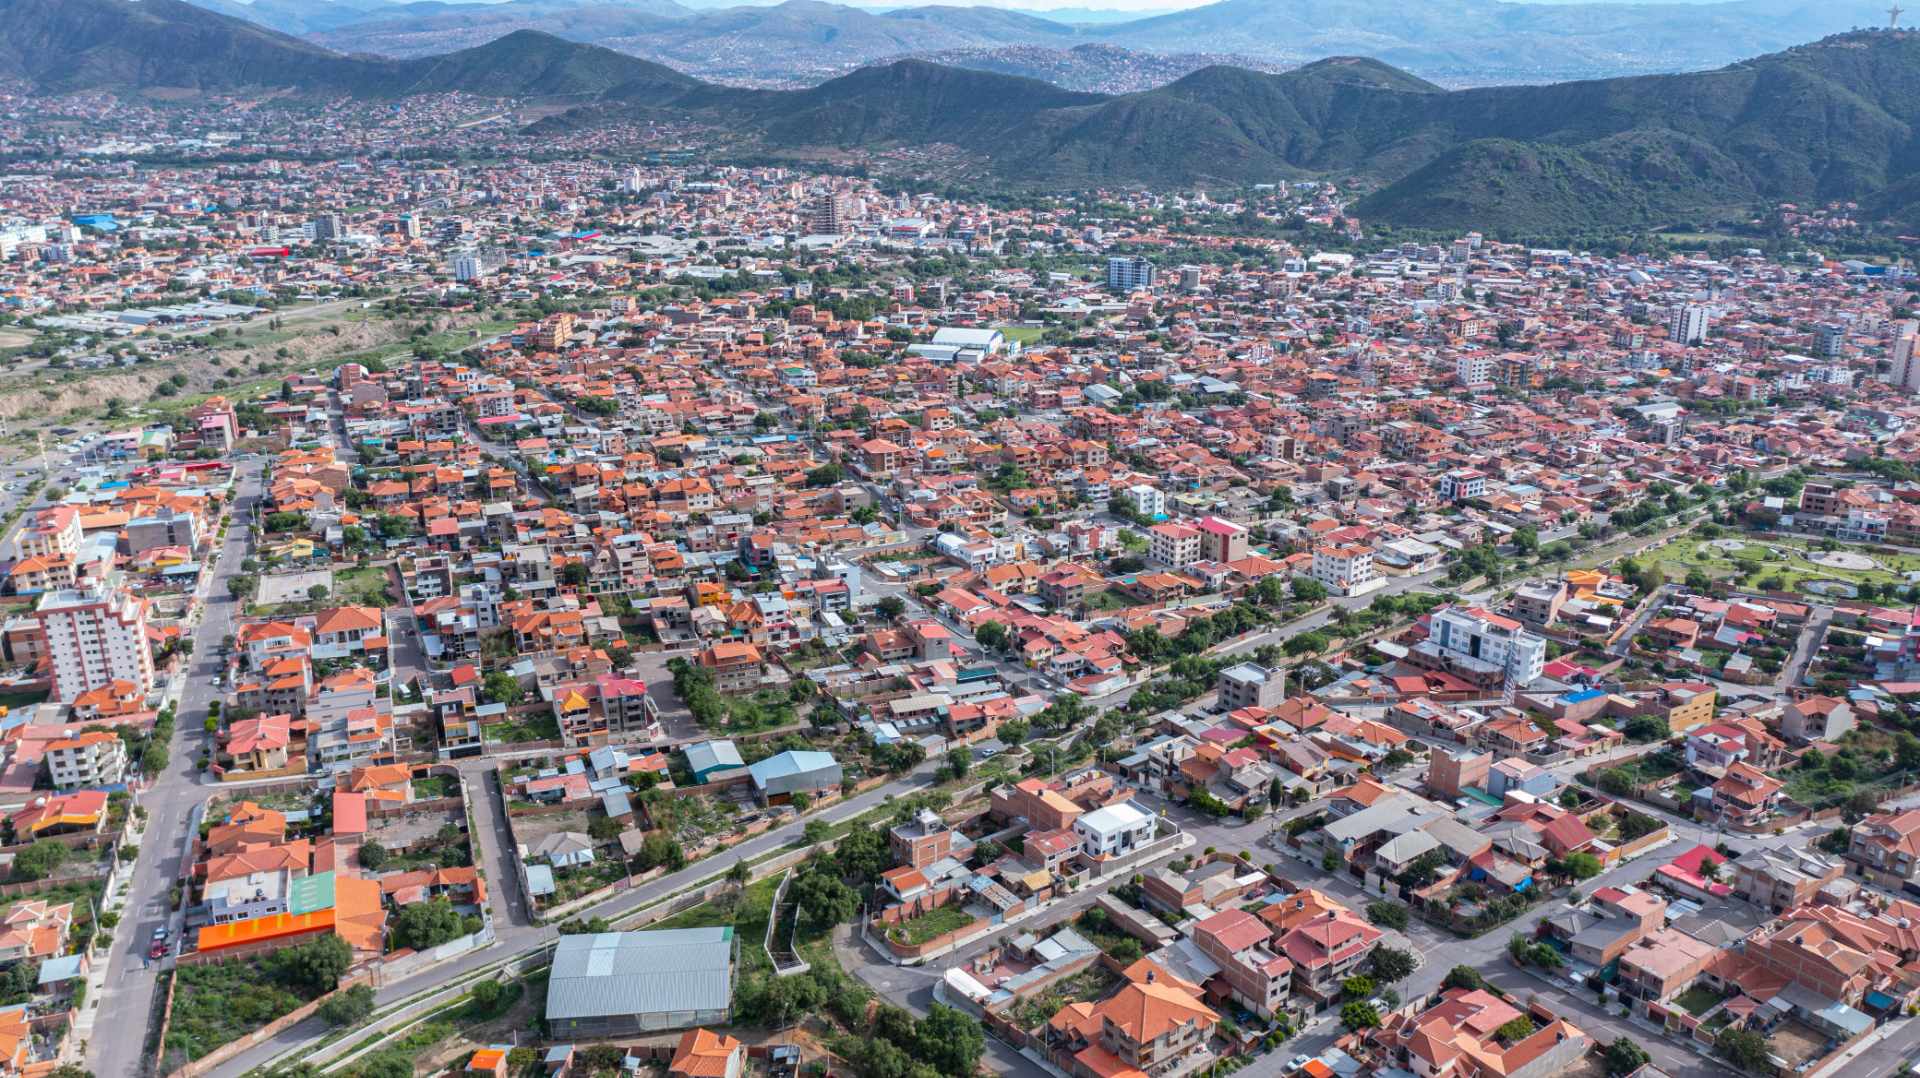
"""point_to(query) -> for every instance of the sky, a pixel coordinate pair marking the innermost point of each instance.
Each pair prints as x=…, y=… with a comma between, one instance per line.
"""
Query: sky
x=1132, y=6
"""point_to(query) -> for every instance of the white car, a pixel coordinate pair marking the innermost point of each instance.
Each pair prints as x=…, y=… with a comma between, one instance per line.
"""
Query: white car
x=1298, y=1062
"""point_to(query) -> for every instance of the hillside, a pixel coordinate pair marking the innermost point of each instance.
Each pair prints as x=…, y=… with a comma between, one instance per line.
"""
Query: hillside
x=1458, y=42
x=169, y=46
x=1834, y=120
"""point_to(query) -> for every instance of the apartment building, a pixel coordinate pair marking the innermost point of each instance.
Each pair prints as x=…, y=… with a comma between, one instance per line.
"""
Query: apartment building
x=93, y=758
x=95, y=636
x=1174, y=545
x=1344, y=570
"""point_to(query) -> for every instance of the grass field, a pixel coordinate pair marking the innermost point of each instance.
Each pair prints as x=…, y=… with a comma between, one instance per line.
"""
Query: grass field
x=364, y=585
x=1787, y=559
x=748, y=914
x=1023, y=334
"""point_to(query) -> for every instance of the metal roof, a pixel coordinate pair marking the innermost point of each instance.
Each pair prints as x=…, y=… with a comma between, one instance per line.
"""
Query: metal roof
x=619, y=973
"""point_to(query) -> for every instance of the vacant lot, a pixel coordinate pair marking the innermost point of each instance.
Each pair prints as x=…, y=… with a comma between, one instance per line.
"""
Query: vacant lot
x=292, y=587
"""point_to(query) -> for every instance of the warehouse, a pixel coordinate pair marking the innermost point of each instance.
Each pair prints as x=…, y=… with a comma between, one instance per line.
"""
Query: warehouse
x=618, y=984
x=777, y=778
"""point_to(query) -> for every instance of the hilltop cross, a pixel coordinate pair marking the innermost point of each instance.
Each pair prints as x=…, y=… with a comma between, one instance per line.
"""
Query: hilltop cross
x=1893, y=17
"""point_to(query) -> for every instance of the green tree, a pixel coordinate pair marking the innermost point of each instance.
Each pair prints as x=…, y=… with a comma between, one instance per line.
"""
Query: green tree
x=1744, y=1049
x=1391, y=964
x=1515, y=1030
x=1359, y=1015
x=372, y=855
x=958, y=762
x=38, y=861
x=1582, y=865
x=421, y=925
x=951, y=1041
x=1624, y=1056
x=316, y=965
x=348, y=1008
x=501, y=687
x=1358, y=986
x=659, y=851
x=1388, y=914
x=891, y=607
x=1308, y=590
x=823, y=900
x=1465, y=977
x=992, y=635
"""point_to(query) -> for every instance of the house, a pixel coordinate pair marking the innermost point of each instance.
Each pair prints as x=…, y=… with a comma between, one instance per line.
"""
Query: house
x=735, y=666
x=1816, y=718
x=1259, y=979
x=707, y=758
x=1153, y=1025
x=1326, y=949
x=1251, y=685
x=1745, y=794
x=1781, y=880
x=1114, y=831
x=1887, y=843
x=91, y=758
x=1469, y=1033
x=703, y=1053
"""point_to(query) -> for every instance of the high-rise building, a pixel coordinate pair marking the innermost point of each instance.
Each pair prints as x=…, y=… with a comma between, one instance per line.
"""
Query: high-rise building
x=1687, y=324
x=1906, y=357
x=410, y=226
x=467, y=266
x=826, y=214
x=329, y=226
x=1126, y=274
x=1828, y=338
x=95, y=636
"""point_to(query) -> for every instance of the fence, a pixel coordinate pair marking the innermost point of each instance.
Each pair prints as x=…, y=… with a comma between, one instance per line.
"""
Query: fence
x=207, y=1063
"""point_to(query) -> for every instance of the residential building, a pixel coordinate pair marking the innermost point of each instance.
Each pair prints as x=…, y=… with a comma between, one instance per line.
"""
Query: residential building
x=95, y=636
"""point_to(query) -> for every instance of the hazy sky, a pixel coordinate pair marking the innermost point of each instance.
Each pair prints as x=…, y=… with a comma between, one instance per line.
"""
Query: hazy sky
x=1102, y=5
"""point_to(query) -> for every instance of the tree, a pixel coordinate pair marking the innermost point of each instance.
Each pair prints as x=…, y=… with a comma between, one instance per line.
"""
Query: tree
x=486, y=995
x=241, y=586
x=317, y=964
x=317, y=592
x=1392, y=964
x=1624, y=1056
x=1465, y=977
x=1308, y=590
x=421, y=925
x=1647, y=728
x=1424, y=870
x=1387, y=914
x=1515, y=1030
x=1359, y=1015
x=826, y=475
x=823, y=900
x=958, y=761
x=501, y=687
x=951, y=1041
x=1526, y=539
x=38, y=861
x=657, y=850
x=348, y=1008
x=1582, y=865
x=1276, y=793
x=575, y=574
x=992, y=635
x=1358, y=986
x=153, y=758
x=1271, y=591
x=604, y=828
x=891, y=607
x=1744, y=1049
x=372, y=854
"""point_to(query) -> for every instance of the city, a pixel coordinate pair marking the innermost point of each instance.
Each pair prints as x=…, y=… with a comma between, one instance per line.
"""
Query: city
x=613, y=609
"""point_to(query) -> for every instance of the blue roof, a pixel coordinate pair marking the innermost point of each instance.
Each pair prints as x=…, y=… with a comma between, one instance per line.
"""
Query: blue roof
x=708, y=755
x=791, y=762
x=1582, y=696
x=539, y=879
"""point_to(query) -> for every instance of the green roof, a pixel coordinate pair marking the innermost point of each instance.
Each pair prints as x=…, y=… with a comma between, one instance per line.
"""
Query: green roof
x=311, y=893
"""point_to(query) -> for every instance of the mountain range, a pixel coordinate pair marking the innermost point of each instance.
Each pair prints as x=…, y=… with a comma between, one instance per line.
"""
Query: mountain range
x=1455, y=42
x=1836, y=119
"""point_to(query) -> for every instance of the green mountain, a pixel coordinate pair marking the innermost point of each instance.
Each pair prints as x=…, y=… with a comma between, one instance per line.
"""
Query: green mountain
x=1834, y=120
x=170, y=47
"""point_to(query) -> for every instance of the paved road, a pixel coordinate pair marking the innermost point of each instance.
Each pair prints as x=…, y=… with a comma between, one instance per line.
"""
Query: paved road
x=519, y=938
x=126, y=1007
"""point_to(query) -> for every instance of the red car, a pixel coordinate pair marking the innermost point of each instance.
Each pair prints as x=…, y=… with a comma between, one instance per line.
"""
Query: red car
x=158, y=948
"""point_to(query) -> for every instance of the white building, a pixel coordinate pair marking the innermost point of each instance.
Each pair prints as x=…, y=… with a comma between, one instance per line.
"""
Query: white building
x=1148, y=501
x=1484, y=641
x=1688, y=324
x=95, y=636
x=1114, y=831
x=1174, y=545
x=1129, y=274
x=1461, y=484
x=1345, y=570
x=1472, y=370
x=1906, y=357
x=468, y=266
x=94, y=758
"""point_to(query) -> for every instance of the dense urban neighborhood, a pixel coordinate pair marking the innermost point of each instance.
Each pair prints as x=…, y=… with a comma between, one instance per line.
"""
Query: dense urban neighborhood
x=612, y=612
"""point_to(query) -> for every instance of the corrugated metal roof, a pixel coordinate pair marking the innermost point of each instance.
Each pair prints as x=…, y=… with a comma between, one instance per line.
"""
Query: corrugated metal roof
x=617, y=973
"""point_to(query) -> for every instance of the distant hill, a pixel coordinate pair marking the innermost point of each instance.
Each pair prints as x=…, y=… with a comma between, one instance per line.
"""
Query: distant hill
x=1457, y=42
x=1833, y=120
x=168, y=46
x=1092, y=68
